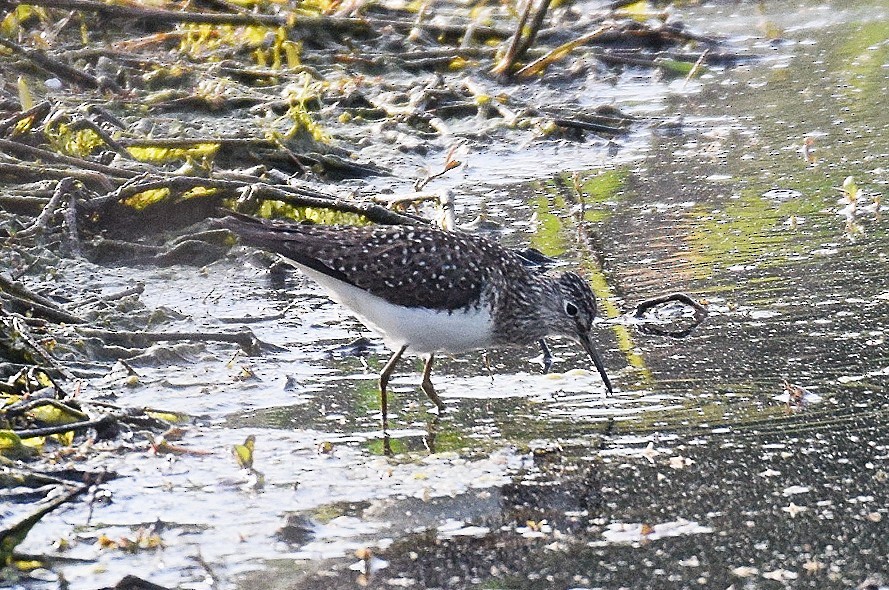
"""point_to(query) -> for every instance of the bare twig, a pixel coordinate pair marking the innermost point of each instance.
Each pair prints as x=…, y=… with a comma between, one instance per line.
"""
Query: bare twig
x=60, y=69
x=103, y=420
x=540, y=64
x=245, y=339
x=138, y=289
x=11, y=534
x=39, y=172
x=449, y=164
x=512, y=52
x=15, y=147
x=37, y=112
x=79, y=124
x=521, y=42
x=63, y=189
x=29, y=348
x=21, y=408
x=40, y=305
x=70, y=213
x=694, y=69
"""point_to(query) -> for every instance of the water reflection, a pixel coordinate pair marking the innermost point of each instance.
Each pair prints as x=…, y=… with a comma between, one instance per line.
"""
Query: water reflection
x=705, y=466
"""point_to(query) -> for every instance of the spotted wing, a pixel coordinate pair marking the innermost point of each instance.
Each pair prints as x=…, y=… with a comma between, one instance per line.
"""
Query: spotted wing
x=410, y=266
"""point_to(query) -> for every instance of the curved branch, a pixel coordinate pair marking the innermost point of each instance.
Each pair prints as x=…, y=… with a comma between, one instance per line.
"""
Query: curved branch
x=700, y=313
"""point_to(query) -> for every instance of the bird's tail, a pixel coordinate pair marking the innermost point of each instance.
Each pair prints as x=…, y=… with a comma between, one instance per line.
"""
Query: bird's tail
x=259, y=233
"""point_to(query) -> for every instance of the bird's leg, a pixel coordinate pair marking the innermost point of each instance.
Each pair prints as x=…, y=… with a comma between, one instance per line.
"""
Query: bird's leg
x=387, y=444
x=431, y=433
x=487, y=360
x=547, y=356
x=384, y=381
x=427, y=387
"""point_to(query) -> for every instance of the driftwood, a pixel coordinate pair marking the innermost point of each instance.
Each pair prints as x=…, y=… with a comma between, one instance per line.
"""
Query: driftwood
x=248, y=342
x=61, y=194
x=12, y=290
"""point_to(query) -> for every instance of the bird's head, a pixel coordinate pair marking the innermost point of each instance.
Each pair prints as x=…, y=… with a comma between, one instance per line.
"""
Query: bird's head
x=574, y=317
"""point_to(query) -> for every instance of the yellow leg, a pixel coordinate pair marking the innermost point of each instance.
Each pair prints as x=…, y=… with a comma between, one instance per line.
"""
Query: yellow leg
x=427, y=387
x=384, y=381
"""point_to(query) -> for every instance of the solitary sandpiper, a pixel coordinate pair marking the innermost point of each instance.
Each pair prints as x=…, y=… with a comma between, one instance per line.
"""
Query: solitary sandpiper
x=425, y=290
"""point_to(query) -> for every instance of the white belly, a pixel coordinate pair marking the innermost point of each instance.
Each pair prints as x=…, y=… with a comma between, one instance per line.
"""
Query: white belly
x=424, y=331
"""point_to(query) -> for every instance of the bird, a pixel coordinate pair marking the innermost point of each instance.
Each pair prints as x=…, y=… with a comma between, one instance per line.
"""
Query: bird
x=428, y=291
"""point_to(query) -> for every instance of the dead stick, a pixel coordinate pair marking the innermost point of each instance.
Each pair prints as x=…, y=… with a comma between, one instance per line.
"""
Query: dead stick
x=643, y=306
x=296, y=196
x=24, y=171
x=157, y=15
x=558, y=53
x=22, y=527
x=536, y=23
x=137, y=290
x=22, y=205
x=79, y=124
x=512, y=52
x=20, y=408
x=104, y=420
x=54, y=66
x=53, y=314
x=49, y=308
x=15, y=147
x=700, y=314
x=246, y=339
x=38, y=112
x=17, y=326
x=63, y=189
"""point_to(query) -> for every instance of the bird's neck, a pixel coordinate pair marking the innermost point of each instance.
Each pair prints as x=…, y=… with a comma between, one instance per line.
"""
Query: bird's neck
x=519, y=314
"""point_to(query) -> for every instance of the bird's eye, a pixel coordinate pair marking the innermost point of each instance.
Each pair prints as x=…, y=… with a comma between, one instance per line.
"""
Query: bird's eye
x=570, y=309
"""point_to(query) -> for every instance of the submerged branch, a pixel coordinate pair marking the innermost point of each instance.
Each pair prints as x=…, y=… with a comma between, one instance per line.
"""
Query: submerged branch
x=700, y=314
x=245, y=339
x=34, y=302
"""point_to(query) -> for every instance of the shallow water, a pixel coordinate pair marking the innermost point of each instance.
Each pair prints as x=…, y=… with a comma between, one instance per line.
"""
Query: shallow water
x=698, y=472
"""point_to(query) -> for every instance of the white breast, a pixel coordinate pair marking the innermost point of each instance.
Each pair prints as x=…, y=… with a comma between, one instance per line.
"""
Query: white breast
x=423, y=330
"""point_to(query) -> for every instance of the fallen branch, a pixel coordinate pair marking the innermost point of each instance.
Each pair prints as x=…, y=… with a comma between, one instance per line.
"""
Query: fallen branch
x=21, y=172
x=247, y=192
x=37, y=112
x=63, y=189
x=22, y=205
x=104, y=420
x=509, y=58
x=245, y=339
x=43, y=307
x=20, y=408
x=19, y=344
x=538, y=65
x=138, y=289
x=60, y=69
x=157, y=15
x=587, y=126
x=12, y=535
x=15, y=147
x=523, y=37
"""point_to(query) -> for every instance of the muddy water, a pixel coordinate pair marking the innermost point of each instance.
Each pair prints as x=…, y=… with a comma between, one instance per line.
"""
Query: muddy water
x=699, y=472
